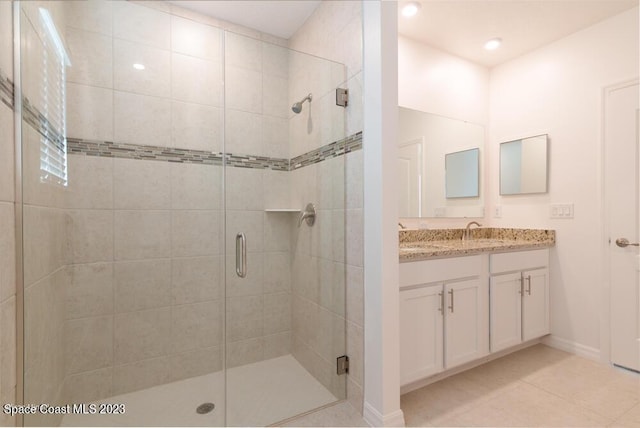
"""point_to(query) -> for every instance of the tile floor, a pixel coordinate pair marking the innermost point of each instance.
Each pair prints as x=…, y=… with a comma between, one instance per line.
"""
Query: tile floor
x=536, y=387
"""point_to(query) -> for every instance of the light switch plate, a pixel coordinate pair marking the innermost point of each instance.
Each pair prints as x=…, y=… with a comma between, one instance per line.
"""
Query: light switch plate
x=561, y=211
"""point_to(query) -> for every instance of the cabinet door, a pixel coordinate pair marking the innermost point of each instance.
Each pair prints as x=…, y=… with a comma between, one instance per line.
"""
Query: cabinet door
x=535, y=304
x=421, y=331
x=463, y=324
x=505, y=311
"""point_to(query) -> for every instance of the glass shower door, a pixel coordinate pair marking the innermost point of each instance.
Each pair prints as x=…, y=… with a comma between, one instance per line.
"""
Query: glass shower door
x=285, y=278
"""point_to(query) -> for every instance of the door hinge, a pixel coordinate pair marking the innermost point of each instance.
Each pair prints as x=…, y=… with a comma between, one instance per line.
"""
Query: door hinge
x=342, y=365
x=342, y=97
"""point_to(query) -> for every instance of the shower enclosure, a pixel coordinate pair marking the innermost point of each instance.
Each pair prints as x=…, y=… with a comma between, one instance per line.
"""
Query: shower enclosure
x=166, y=161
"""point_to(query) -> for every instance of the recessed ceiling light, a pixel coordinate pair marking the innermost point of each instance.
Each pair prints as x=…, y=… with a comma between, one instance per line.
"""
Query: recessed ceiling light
x=138, y=66
x=493, y=44
x=410, y=9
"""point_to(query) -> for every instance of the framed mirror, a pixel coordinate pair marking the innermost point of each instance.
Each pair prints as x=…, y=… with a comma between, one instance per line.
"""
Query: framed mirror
x=439, y=166
x=523, y=166
x=462, y=174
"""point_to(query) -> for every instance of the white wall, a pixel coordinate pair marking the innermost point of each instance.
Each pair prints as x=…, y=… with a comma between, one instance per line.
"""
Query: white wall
x=440, y=83
x=557, y=90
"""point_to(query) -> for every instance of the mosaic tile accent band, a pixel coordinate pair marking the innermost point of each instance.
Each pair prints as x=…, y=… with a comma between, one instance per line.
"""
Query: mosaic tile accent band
x=79, y=146
x=6, y=90
x=30, y=114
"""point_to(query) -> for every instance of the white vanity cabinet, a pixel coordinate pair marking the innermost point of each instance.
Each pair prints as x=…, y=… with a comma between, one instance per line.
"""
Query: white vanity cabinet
x=519, y=297
x=443, y=315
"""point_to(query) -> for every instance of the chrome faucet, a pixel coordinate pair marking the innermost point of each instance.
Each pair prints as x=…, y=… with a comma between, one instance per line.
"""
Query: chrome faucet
x=467, y=232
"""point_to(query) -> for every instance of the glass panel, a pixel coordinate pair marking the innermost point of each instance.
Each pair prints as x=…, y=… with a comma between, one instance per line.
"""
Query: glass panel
x=124, y=267
x=180, y=137
x=285, y=322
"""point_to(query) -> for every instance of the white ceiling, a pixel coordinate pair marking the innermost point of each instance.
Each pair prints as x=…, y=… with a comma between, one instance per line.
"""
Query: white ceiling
x=280, y=18
x=461, y=27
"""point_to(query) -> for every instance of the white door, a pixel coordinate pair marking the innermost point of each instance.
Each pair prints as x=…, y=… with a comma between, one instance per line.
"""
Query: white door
x=463, y=327
x=410, y=179
x=621, y=187
x=535, y=304
x=421, y=331
x=505, y=309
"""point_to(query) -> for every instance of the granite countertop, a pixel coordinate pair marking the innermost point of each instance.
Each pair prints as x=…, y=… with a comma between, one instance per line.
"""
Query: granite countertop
x=439, y=243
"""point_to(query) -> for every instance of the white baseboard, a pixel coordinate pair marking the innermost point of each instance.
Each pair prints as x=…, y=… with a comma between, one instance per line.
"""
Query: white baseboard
x=376, y=419
x=572, y=347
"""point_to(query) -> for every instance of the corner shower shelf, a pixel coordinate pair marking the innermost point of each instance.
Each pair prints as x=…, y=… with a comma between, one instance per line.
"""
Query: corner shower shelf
x=282, y=210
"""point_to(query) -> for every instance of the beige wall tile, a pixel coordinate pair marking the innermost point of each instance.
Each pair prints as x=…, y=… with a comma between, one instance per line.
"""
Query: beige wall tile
x=94, y=16
x=90, y=182
x=355, y=350
x=275, y=60
x=243, y=52
x=244, y=189
x=196, y=80
x=243, y=89
x=252, y=283
x=245, y=352
x=196, y=363
x=355, y=238
x=141, y=25
x=88, y=344
x=196, y=39
x=141, y=184
x=196, y=187
x=277, y=313
x=141, y=375
x=6, y=38
x=88, y=386
x=7, y=185
x=197, y=325
x=142, y=284
x=275, y=100
x=277, y=345
x=196, y=126
x=7, y=251
x=90, y=112
x=8, y=350
x=355, y=295
x=244, y=318
x=44, y=242
x=92, y=57
x=275, y=136
x=141, y=119
x=142, y=234
x=89, y=290
x=196, y=233
x=141, y=335
x=248, y=222
x=196, y=279
x=154, y=80
x=90, y=235
x=277, y=272
x=243, y=133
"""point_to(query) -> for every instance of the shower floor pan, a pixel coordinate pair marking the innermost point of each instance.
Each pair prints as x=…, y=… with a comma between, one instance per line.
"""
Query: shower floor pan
x=259, y=394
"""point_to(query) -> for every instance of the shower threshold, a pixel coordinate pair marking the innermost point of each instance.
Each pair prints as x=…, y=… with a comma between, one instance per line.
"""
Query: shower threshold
x=259, y=394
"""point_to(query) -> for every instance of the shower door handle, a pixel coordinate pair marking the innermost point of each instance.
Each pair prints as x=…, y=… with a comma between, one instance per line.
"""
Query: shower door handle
x=241, y=255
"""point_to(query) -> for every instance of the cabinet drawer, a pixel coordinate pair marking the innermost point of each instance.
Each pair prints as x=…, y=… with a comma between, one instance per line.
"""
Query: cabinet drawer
x=519, y=260
x=429, y=271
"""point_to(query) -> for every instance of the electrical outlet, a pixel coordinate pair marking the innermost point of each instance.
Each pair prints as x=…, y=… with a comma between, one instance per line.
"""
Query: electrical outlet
x=441, y=211
x=497, y=211
x=561, y=211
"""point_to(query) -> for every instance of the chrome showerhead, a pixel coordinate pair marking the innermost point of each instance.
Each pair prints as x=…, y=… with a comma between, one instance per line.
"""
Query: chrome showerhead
x=297, y=107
